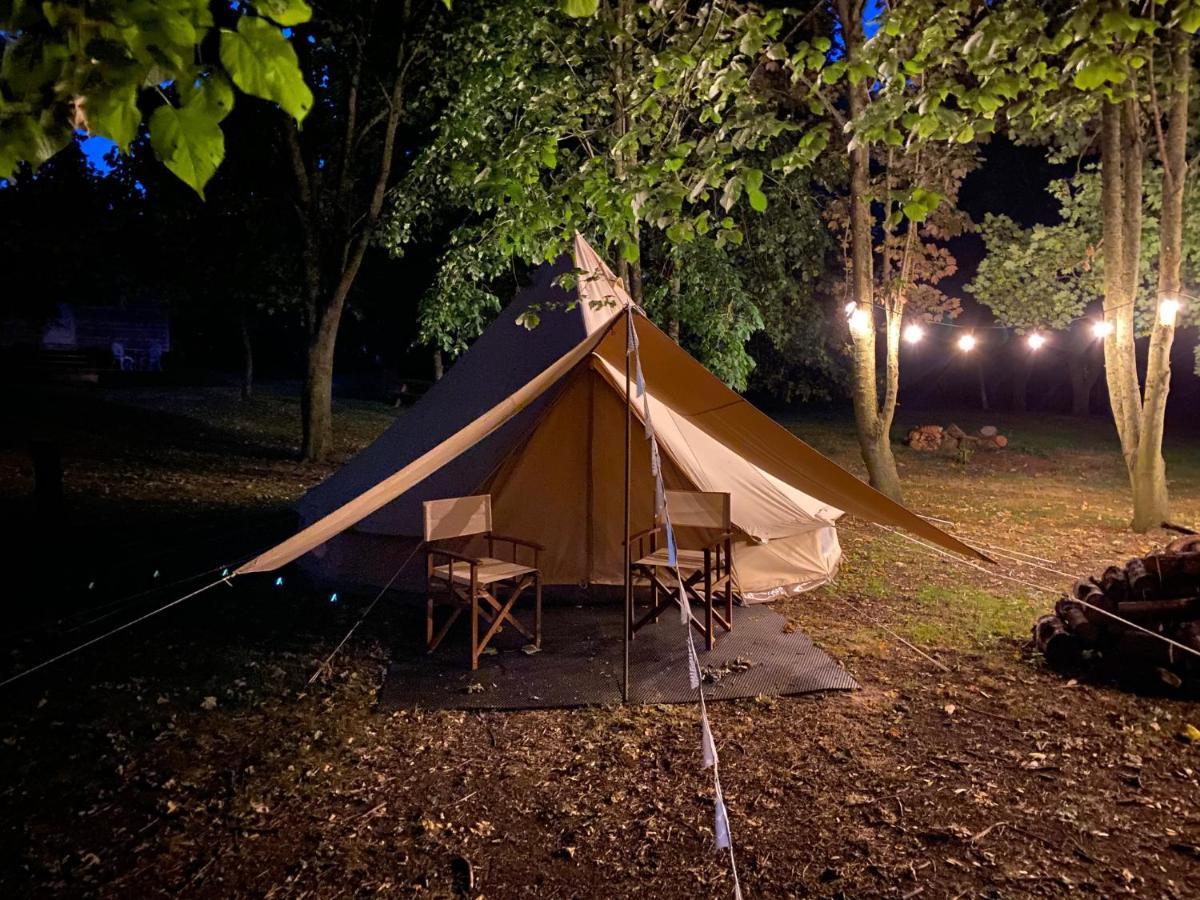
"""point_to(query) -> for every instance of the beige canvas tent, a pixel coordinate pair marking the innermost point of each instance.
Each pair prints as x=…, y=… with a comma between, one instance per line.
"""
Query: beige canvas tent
x=536, y=418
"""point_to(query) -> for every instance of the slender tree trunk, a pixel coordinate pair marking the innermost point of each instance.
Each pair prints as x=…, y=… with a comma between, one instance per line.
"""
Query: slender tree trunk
x=983, y=394
x=317, y=400
x=439, y=365
x=1139, y=412
x=247, y=357
x=874, y=439
x=673, y=321
x=337, y=230
x=1151, y=502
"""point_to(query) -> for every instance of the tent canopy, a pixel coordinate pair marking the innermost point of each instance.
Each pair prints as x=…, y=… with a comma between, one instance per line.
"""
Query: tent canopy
x=537, y=419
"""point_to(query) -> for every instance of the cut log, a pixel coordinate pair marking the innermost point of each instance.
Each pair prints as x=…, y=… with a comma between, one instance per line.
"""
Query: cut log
x=1076, y=619
x=1114, y=584
x=1159, y=610
x=989, y=431
x=1058, y=645
x=926, y=437
x=1142, y=582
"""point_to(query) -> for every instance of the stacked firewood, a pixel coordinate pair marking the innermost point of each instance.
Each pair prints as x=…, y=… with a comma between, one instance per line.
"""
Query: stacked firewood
x=1159, y=592
x=935, y=437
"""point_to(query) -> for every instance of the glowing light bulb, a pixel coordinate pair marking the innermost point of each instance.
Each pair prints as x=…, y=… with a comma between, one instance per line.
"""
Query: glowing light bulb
x=860, y=321
x=913, y=333
x=1036, y=341
x=1168, y=309
x=966, y=343
x=1102, y=329
x=279, y=581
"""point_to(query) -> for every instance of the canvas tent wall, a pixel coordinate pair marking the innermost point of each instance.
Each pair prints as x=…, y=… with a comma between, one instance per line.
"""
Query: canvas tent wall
x=536, y=417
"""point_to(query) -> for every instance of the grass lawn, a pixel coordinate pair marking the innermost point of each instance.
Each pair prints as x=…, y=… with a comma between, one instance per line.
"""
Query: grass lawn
x=188, y=756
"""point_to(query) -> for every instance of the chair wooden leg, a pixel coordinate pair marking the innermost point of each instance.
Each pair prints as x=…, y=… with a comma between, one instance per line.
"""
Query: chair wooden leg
x=537, y=610
x=708, y=601
x=428, y=602
x=729, y=583
x=474, y=626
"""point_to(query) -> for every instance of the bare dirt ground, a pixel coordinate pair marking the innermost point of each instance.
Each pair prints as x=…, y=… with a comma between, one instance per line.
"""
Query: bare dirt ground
x=187, y=757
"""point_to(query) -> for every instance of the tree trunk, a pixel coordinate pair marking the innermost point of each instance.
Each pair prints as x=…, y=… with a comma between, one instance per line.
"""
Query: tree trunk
x=871, y=428
x=439, y=365
x=316, y=403
x=1151, y=503
x=247, y=358
x=1137, y=411
x=983, y=394
x=333, y=256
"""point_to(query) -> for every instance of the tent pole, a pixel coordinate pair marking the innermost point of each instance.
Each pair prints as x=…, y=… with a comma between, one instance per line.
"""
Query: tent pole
x=628, y=580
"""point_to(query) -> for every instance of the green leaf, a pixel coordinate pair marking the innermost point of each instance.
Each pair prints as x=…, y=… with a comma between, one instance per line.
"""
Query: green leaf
x=114, y=114
x=211, y=93
x=1099, y=72
x=753, y=179
x=285, y=12
x=189, y=142
x=263, y=63
x=22, y=139
x=579, y=9
x=1189, y=21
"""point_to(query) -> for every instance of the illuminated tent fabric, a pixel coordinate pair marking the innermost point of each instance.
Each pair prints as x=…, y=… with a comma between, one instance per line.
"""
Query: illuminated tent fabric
x=536, y=418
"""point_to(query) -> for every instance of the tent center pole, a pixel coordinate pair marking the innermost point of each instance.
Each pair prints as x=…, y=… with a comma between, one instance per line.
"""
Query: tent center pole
x=628, y=579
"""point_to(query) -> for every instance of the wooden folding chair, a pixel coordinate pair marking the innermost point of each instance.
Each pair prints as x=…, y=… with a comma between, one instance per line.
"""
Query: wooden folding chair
x=707, y=568
x=474, y=584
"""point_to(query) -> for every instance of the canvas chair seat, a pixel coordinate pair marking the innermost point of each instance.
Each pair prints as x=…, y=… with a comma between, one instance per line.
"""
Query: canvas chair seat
x=488, y=571
x=687, y=559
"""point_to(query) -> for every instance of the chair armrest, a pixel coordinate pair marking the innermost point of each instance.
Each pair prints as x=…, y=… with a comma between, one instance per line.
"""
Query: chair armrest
x=450, y=554
x=533, y=545
x=718, y=542
x=644, y=533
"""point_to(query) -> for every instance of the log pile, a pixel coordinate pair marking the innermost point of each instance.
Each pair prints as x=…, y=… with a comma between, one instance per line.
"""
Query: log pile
x=934, y=437
x=1160, y=592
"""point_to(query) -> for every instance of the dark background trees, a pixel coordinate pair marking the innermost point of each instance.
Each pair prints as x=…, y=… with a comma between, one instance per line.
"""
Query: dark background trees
x=448, y=151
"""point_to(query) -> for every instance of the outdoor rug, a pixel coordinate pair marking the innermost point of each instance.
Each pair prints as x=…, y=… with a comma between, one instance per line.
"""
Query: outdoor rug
x=581, y=659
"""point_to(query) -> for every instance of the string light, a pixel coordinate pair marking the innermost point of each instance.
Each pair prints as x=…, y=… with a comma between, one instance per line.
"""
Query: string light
x=333, y=598
x=860, y=321
x=1168, y=309
x=1102, y=329
x=279, y=581
x=913, y=332
x=1036, y=341
x=966, y=343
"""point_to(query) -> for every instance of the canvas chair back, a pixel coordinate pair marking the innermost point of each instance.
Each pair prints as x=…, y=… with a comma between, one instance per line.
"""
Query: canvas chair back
x=699, y=509
x=457, y=517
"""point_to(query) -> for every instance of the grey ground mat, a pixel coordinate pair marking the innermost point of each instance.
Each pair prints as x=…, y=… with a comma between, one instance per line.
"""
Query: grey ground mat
x=580, y=663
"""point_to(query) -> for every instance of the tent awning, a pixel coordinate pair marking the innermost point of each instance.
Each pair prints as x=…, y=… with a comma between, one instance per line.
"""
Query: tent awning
x=691, y=391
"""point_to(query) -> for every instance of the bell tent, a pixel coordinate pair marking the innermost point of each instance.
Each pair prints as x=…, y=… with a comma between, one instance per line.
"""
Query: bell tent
x=536, y=418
